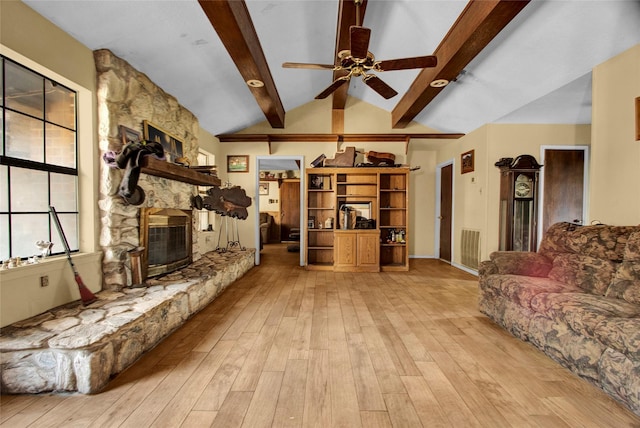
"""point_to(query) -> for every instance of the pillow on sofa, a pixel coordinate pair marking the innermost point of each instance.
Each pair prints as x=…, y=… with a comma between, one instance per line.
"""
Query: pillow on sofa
x=521, y=263
x=591, y=274
x=554, y=239
x=603, y=242
x=626, y=282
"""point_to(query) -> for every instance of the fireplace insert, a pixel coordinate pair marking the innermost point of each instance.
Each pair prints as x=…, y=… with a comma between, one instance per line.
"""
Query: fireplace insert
x=165, y=234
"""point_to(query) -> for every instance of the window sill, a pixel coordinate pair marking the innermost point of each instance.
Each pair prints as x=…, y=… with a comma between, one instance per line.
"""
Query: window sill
x=51, y=263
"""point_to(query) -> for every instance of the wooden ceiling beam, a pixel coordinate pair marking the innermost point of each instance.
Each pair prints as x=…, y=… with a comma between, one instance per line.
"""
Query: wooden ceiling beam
x=330, y=138
x=477, y=25
x=346, y=18
x=231, y=20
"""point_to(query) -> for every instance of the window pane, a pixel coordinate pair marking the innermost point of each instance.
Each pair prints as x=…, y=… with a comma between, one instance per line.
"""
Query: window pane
x=2, y=133
x=69, y=224
x=24, y=90
x=4, y=191
x=60, y=146
x=60, y=105
x=4, y=237
x=26, y=230
x=24, y=137
x=1, y=80
x=29, y=190
x=63, y=192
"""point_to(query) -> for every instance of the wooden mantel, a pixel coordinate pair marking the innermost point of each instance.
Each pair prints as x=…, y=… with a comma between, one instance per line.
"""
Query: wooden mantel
x=159, y=168
x=332, y=138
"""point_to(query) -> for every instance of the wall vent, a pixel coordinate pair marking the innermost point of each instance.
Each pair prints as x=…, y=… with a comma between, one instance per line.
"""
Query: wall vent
x=470, y=248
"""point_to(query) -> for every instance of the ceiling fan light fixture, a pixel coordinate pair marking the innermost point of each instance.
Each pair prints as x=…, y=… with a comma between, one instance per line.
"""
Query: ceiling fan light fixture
x=255, y=83
x=439, y=83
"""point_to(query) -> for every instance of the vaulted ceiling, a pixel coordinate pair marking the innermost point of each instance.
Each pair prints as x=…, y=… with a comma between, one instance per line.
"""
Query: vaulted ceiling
x=537, y=69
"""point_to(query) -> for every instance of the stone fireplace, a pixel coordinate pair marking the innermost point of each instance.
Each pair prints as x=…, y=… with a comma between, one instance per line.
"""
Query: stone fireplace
x=127, y=97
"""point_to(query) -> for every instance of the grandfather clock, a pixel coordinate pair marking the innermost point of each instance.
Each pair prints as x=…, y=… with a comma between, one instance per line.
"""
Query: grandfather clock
x=518, y=203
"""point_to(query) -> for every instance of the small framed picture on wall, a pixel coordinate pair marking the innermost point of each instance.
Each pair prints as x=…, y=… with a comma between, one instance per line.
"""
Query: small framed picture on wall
x=264, y=189
x=467, y=162
x=238, y=163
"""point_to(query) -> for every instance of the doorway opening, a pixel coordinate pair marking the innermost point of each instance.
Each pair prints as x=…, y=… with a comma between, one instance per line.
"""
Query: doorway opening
x=279, y=203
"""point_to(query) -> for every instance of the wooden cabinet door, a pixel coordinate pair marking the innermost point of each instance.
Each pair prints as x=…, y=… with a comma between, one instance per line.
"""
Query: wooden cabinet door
x=368, y=251
x=344, y=251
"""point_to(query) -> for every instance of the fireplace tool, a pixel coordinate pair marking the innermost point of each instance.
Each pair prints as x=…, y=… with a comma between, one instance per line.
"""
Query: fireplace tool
x=85, y=294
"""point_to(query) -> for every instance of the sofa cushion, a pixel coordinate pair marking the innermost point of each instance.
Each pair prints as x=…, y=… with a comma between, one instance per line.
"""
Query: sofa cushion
x=589, y=273
x=521, y=263
x=621, y=334
x=603, y=242
x=521, y=289
x=626, y=282
x=582, y=312
x=600, y=241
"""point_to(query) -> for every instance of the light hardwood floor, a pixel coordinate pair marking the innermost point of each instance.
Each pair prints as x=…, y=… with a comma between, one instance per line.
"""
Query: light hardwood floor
x=285, y=347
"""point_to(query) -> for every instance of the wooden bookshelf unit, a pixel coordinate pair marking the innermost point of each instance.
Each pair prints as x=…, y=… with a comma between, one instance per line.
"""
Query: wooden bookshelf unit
x=357, y=219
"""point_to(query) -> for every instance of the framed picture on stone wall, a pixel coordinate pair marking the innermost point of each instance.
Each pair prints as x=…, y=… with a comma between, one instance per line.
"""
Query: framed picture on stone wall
x=128, y=135
x=171, y=144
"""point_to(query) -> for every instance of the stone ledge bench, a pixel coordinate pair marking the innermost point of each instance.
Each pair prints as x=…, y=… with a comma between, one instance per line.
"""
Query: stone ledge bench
x=80, y=348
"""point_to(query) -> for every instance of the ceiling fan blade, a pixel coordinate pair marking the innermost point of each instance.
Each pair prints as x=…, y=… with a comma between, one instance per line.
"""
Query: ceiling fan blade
x=311, y=66
x=375, y=83
x=407, y=63
x=359, y=41
x=332, y=88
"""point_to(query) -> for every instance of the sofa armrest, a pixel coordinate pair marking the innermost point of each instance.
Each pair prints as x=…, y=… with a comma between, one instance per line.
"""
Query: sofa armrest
x=518, y=263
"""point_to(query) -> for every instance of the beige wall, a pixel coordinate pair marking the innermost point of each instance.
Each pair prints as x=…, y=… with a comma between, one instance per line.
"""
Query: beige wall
x=615, y=166
x=36, y=43
x=477, y=193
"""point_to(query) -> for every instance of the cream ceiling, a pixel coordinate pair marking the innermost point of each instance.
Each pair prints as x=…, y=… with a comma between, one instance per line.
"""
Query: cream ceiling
x=537, y=70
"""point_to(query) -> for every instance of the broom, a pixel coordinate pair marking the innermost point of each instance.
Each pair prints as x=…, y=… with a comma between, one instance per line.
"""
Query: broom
x=85, y=294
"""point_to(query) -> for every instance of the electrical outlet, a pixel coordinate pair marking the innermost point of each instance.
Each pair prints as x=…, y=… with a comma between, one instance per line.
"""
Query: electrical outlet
x=44, y=281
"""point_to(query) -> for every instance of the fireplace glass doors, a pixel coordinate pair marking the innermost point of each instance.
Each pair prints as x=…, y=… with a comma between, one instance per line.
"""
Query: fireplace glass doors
x=165, y=234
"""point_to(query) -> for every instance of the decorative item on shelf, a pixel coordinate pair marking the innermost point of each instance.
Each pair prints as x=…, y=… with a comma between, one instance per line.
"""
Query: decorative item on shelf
x=319, y=161
x=316, y=182
x=345, y=158
x=380, y=158
x=311, y=222
x=238, y=163
x=172, y=145
x=467, y=162
x=44, y=247
x=328, y=223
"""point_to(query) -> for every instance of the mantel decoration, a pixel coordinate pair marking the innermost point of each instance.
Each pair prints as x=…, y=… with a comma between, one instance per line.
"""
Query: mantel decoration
x=172, y=145
x=467, y=162
x=238, y=163
x=128, y=135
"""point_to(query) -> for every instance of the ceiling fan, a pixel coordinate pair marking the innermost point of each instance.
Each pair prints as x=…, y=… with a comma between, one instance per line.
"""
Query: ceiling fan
x=359, y=62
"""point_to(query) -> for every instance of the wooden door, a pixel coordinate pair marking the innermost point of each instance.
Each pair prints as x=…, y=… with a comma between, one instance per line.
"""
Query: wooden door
x=446, y=190
x=563, y=187
x=289, y=207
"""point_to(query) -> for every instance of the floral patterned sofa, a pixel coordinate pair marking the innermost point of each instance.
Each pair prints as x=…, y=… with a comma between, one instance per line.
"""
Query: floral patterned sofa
x=577, y=299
